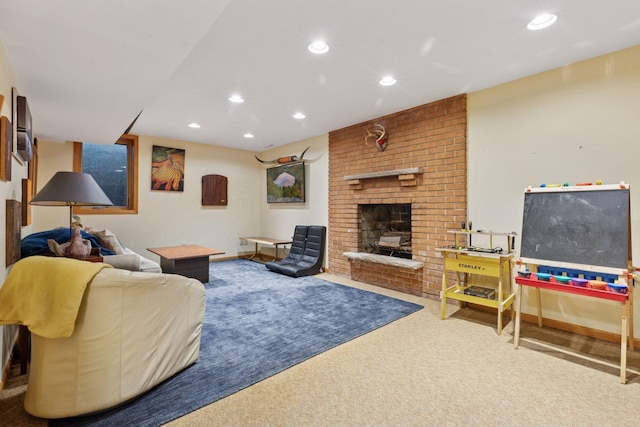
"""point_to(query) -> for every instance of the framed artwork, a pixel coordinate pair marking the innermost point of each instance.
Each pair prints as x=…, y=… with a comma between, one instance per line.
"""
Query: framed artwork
x=167, y=168
x=13, y=229
x=29, y=185
x=285, y=183
x=21, y=135
x=6, y=147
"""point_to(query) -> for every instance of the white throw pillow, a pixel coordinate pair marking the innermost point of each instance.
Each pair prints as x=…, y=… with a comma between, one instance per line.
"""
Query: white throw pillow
x=108, y=240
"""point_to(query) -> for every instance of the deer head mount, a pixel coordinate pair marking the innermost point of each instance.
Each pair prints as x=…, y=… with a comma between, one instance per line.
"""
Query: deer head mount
x=379, y=134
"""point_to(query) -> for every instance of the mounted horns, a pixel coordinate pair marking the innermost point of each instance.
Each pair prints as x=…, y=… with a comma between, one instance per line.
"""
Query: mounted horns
x=380, y=134
x=283, y=160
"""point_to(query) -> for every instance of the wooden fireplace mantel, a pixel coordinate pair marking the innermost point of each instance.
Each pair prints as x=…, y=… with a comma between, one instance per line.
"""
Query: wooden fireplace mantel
x=407, y=177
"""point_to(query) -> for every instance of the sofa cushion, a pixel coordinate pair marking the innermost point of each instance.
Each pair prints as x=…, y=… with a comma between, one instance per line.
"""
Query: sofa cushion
x=146, y=264
x=107, y=239
x=129, y=262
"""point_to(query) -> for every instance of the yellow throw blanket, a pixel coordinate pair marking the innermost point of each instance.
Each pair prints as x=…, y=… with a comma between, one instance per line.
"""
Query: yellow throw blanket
x=44, y=294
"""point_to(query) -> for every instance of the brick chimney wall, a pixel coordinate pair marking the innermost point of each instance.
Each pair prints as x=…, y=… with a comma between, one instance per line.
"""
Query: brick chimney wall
x=432, y=137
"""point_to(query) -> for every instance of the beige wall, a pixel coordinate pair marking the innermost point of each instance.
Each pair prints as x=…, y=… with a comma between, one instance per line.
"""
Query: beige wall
x=173, y=218
x=573, y=124
x=278, y=220
x=9, y=190
x=578, y=123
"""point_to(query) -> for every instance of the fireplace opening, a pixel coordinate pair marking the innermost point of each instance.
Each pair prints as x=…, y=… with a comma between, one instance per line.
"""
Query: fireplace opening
x=386, y=229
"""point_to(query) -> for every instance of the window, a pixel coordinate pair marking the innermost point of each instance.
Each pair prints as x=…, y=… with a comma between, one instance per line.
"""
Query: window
x=115, y=169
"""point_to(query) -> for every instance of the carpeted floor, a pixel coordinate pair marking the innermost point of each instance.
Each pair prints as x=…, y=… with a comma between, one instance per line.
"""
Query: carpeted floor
x=423, y=371
x=257, y=323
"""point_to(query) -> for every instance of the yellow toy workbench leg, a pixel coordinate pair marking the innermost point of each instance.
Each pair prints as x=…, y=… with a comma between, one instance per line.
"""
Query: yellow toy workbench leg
x=500, y=296
x=443, y=295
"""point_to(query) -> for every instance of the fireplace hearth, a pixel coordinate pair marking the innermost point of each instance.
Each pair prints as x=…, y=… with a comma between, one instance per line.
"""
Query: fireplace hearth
x=386, y=229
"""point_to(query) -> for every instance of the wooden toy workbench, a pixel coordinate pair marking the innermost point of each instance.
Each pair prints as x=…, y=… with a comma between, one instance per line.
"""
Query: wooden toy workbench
x=462, y=258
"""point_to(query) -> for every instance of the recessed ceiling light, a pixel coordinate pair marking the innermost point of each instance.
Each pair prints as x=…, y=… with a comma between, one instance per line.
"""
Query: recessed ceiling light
x=318, y=47
x=299, y=115
x=248, y=135
x=236, y=98
x=387, y=81
x=542, y=21
x=194, y=125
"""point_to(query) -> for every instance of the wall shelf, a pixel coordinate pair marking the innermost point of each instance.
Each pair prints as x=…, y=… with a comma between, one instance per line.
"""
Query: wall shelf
x=396, y=172
x=406, y=177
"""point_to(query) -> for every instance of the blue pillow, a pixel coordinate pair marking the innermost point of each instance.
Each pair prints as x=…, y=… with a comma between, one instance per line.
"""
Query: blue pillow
x=36, y=243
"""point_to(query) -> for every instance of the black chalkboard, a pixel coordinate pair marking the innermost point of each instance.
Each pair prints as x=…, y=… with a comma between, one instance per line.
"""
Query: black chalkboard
x=581, y=227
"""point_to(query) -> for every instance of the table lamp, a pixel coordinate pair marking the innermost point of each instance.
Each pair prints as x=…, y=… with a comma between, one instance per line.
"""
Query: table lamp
x=71, y=189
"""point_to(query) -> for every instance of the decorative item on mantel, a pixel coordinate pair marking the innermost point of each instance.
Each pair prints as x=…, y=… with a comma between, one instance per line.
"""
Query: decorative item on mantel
x=380, y=134
x=283, y=160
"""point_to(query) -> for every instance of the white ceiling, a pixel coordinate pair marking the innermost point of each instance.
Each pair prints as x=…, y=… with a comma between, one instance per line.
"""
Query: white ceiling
x=88, y=67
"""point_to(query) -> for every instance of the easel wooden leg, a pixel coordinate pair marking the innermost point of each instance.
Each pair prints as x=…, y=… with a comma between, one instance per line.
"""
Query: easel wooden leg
x=516, y=337
x=539, y=304
x=630, y=316
x=623, y=344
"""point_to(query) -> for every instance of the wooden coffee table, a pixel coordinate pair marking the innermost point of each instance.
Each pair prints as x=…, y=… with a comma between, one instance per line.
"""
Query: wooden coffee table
x=186, y=260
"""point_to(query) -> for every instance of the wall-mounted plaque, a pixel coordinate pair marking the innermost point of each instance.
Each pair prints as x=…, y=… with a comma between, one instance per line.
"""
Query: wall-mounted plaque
x=13, y=226
x=6, y=146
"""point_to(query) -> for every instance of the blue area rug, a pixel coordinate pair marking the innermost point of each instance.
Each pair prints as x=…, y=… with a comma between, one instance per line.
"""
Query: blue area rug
x=257, y=323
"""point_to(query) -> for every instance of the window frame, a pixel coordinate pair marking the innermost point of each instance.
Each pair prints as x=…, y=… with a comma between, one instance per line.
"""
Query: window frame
x=131, y=141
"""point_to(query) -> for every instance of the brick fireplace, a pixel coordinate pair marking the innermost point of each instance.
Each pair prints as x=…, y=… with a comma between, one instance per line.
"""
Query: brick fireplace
x=385, y=229
x=424, y=166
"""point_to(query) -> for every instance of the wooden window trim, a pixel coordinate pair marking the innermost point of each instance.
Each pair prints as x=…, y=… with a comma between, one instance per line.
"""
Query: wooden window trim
x=130, y=141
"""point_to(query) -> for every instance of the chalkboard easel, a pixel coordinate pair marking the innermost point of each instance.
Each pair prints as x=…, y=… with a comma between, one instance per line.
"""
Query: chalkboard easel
x=582, y=227
x=579, y=228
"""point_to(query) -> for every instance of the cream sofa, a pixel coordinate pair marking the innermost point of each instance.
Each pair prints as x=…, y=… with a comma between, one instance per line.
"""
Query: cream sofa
x=133, y=330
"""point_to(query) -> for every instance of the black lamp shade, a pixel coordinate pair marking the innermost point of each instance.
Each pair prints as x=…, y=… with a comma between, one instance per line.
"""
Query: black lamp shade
x=71, y=189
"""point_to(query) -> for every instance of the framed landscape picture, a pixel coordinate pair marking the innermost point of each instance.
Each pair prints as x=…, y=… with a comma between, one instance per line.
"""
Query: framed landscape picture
x=285, y=183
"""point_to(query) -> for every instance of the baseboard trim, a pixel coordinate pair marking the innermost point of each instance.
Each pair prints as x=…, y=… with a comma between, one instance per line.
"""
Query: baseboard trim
x=564, y=326
x=227, y=258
